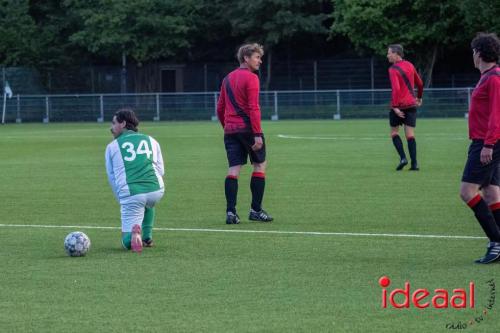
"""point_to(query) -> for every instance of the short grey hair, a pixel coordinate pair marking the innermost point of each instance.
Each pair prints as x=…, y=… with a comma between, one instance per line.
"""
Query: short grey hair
x=398, y=49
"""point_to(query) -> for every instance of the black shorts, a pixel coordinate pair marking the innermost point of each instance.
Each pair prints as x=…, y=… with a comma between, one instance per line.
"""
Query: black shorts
x=477, y=173
x=410, y=118
x=239, y=146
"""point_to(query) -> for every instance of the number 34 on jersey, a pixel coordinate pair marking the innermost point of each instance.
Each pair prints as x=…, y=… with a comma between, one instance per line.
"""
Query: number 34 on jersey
x=131, y=151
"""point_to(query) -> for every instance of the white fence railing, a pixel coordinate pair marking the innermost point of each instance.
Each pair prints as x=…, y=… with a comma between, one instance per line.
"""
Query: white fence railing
x=302, y=104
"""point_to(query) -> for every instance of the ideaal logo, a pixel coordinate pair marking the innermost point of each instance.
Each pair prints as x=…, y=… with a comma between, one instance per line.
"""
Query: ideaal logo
x=461, y=298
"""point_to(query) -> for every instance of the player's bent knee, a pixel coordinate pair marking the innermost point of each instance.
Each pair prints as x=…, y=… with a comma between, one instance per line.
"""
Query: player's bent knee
x=467, y=193
x=234, y=171
x=463, y=196
x=259, y=167
x=489, y=199
x=491, y=194
x=126, y=240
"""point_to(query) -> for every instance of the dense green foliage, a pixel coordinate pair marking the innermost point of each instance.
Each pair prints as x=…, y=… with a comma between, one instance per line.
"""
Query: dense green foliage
x=421, y=24
x=18, y=42
x=143, y=30
x=426, y=27
x=48, y=32
x=51, y=33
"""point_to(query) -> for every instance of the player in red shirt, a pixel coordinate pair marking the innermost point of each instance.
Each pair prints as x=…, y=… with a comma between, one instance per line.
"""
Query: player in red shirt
x=404, y=103
x=238, y=111
x=480, y=187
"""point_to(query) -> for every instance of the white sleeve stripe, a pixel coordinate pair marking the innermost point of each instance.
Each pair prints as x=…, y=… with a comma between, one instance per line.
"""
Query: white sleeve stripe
x=118, y=168
x=158, y=162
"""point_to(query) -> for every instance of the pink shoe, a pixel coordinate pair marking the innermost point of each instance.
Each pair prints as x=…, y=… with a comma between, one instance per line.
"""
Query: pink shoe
x=136, y=240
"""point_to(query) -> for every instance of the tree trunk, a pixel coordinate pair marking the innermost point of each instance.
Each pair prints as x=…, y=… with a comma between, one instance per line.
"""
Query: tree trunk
x=123, y=85
x=429, y=68
x=268, y=74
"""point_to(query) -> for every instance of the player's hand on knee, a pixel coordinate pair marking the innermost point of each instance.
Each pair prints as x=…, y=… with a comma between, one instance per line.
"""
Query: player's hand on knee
x=258, y=143
x=399, y=113
x=486, y=155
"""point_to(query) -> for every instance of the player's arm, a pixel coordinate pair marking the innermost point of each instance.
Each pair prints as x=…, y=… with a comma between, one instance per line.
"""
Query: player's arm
x=159, y=158
x=110, y=171
x=393, y=76
x=396, y=88
x=420, y=87
x=253, y=90
x=221, y=104
x=493, y=122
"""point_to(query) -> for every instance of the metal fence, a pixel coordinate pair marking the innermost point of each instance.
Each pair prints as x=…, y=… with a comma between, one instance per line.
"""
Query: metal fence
x=285, y=74
x=275, y=105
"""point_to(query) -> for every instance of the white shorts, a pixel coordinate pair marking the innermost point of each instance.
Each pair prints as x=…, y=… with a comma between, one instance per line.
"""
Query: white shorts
x=132, y=208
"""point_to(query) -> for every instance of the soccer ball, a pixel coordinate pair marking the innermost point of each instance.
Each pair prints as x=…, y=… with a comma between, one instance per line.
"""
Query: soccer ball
x=76, y=244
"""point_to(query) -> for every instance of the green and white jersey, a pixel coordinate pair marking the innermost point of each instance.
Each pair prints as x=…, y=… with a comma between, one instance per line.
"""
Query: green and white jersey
x=134, y=164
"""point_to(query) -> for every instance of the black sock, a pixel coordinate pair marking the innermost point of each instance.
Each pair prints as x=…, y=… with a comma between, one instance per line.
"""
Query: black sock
x=495, y=210
x=412, y=147
x=485, y=218
x=398, y=144
x=231, y=189
x=257, y=185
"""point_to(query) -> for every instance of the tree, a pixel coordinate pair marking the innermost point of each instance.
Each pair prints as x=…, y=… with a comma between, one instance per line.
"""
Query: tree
x=18, y=44
x=212, y=35
x=55, y=24
x=481, y=15
x=142, y=30
x=425, y=27
x=271, y=22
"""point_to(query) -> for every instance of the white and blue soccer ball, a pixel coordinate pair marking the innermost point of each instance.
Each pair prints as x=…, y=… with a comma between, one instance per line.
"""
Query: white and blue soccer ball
x=76, y=244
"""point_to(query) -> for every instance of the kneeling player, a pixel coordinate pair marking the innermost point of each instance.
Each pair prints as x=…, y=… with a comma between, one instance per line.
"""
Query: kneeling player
x=134, y=164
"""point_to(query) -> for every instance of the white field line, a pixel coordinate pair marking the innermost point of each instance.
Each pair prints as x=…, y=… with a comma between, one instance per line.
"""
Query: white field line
x=278, y=232
x=340, y=137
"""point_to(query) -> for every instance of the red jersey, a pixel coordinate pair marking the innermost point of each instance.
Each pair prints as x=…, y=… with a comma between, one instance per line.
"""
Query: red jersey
x=402, y=96
x=238, y=106
x=484, y=113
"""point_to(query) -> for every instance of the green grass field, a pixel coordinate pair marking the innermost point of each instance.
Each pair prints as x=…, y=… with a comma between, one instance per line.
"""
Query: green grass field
x=323, y=176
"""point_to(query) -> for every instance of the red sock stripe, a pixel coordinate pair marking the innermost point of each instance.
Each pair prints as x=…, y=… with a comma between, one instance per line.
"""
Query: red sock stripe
x=410, y=137
x=259, y=174
x=474, y=201
x=231, y=177
x=495, y=206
